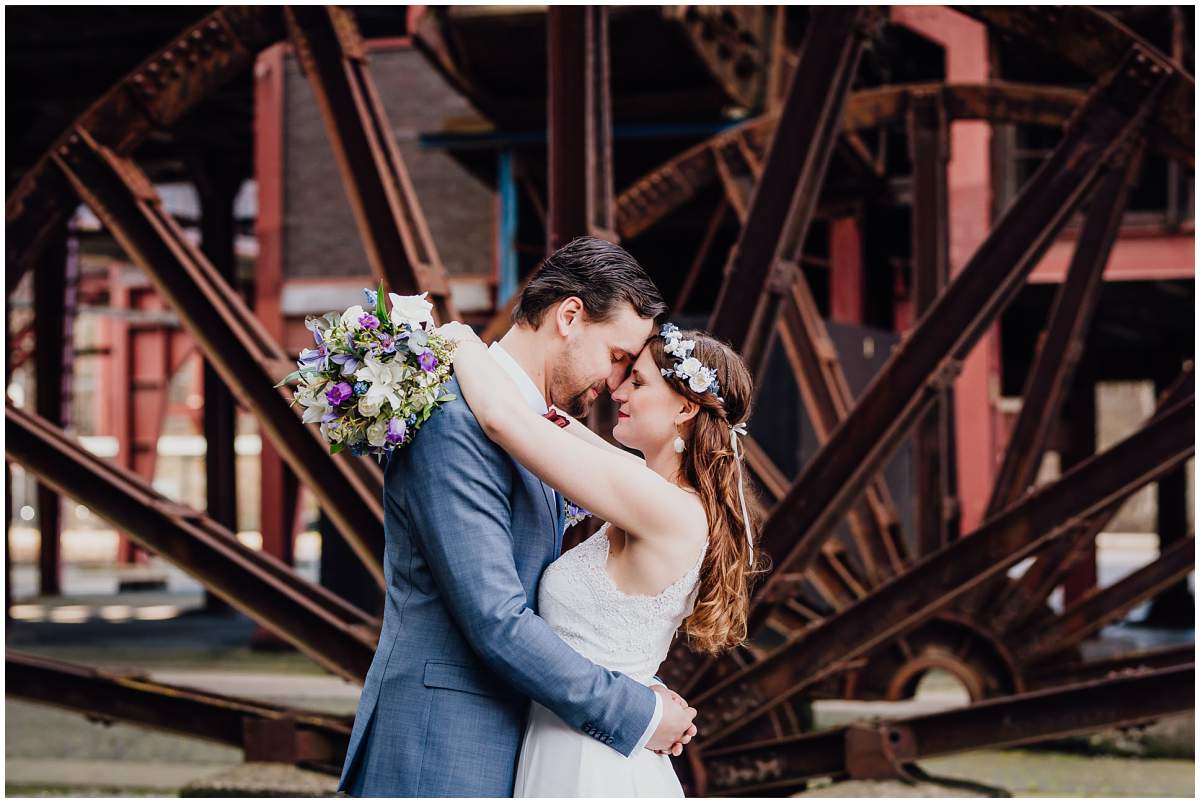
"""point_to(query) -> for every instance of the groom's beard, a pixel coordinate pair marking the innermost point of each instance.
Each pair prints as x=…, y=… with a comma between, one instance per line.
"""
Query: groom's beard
x=577, y=405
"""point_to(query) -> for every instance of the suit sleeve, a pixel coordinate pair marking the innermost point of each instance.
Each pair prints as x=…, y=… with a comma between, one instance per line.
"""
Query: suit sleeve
x=460, y=516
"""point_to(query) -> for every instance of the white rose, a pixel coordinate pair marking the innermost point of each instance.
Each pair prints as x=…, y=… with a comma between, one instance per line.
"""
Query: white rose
x=690, y=366
x=411, y=308
x=377, y=433
x=350, y=317
x=369, y=406
x=700, y=380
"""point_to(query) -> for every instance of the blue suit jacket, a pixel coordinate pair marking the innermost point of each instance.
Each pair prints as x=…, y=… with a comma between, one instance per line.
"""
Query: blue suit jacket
x=468, y=532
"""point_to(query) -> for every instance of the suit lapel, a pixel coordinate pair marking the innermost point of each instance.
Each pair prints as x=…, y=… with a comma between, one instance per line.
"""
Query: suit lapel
x=552, y=502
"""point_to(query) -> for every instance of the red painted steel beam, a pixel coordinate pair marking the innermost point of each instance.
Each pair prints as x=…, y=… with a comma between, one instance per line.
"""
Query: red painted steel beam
x=316, y=738
x=927, y=361
x=394, y=232
x=332, y=632
x=793, y=173
x=775, y=766
x=580, y=126
x=248, y=360
x=929, y=586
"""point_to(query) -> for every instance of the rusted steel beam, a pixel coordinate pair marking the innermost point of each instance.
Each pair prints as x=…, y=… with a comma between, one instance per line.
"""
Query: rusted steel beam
x=775, y=766
x=308, y=738
x=929, y=150
x=394, y=232
x=937, y=581
x=1094, y=41
x=732, y=43
x=738, y=168
x=874, y=524
x=154, y=96
x=248, y=360
x=1062, y=343
x=666, y=188
x=793, y=173
x=1008, y=604
x=928, y=361
x=580, y=184
x=1059, y=351
x=50, y=322
x=329, y=630
x=1082, y=671
x=1104, y=606
x=702, y=252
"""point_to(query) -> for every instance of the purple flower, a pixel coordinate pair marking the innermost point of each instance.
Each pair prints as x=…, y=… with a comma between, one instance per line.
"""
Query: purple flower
x=368, y=321
x=348, y=362
x=339, y=393
x=395, y=431
x=387, y=342
x=318, y=356
x=428, y=361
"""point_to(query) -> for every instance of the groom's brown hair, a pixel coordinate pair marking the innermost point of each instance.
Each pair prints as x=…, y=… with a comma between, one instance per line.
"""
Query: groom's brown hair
x=599, y=273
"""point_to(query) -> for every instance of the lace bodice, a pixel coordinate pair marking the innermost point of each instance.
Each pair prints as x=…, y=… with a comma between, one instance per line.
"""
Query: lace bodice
x=629, y=633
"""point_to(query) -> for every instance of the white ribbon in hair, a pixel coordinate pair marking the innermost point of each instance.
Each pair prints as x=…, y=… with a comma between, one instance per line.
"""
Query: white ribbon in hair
x=740, y=429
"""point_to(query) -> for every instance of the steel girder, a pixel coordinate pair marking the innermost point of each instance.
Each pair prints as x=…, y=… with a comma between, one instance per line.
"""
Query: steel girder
x=761, y=267
x=580, y=183
x=249, y=362
x=930, y=357
x=320, y=624
x=937, y=519
x=265, y=732
x=1059, y=352
x=777, y=766
x=1103, y=606
x=1101, y=668
x=160, y=92
x=736, y=700
x=394, y=233
x=682, y=178
x=1092, y=40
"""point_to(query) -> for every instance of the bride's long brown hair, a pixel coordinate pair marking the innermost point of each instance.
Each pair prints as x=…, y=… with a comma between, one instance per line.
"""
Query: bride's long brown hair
x=718, y=621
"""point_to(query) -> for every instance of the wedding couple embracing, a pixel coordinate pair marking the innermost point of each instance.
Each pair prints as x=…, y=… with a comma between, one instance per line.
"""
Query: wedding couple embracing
x=504, y=668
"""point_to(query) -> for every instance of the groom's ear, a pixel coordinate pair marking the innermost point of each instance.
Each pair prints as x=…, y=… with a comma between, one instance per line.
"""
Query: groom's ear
x=568, y=313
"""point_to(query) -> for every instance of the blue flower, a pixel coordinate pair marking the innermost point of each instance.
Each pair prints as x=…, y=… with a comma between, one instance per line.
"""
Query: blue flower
x=360, y=388
x=370, y=296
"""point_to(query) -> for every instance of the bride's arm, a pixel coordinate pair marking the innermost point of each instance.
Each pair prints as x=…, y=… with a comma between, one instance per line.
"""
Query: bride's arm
x=603, y=480
x=581, y=431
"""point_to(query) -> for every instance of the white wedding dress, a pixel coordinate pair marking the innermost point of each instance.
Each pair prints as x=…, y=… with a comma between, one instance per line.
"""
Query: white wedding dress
x=628, y=633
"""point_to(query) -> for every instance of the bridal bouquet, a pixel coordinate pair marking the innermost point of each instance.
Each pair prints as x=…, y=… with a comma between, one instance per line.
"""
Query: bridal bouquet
x=374, y=377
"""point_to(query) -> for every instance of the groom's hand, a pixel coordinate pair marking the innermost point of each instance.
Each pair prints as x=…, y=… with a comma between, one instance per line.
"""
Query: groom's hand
x=676, y=728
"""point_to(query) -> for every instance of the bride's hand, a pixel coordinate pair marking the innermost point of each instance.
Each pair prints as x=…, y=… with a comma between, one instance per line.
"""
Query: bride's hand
x=457, y=332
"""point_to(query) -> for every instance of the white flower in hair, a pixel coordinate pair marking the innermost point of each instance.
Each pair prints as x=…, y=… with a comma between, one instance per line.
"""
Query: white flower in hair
x=701, y=379
x=689, y=367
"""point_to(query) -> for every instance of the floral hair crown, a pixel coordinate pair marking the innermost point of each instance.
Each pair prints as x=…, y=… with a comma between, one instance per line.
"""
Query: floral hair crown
x=699, y=377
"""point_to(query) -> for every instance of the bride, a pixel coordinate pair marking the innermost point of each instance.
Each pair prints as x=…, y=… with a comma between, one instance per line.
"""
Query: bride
x=675, y=551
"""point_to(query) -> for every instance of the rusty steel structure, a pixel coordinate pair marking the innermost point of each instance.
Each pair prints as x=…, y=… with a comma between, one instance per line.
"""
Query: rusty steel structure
x=859, y=617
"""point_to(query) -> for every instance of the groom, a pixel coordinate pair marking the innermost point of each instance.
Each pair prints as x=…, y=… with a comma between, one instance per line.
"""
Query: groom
x=468, y=532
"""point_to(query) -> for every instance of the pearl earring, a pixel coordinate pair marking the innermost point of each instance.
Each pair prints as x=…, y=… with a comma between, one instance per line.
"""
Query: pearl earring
x=678, y=444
